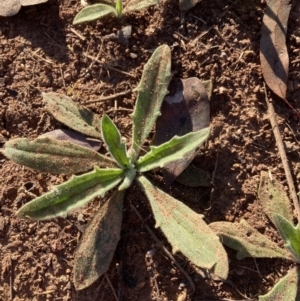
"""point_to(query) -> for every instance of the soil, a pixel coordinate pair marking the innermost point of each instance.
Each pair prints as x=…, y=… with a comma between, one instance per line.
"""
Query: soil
x=41, y=51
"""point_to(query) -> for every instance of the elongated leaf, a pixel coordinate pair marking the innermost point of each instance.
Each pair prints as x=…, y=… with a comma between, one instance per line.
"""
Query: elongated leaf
x=175, y=149
x=136, y=5
x=151, y=91
x=273, y=197
x=186, y=231
x=65, y=110
x=273, y=51
x=94, y=12
x=72, y=194
x=98, y=243
x=112, y=139
x=53, y=156
x=185, y=109
x=290, y=234
x=119, y=8
x=247, y=241
x=285, y=289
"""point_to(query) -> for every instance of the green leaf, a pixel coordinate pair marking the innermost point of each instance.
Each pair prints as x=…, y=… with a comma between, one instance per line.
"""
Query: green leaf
x=112, y=139
x=53, y=156
x=72, y=194
x=247, y=241
x=98, y=243
x=172, y=150
x=290, y=235
x=136, y=5
x=186, y=231
x=119, y=8
x=151, y=91
x=65, y=110
x=94, y=12
x=273, y=197
x=128, y=179
x=285, y=289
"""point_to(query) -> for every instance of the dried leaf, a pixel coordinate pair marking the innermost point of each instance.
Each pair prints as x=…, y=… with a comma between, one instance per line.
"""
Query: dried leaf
x=74, y=137
x=10, y=8
x=247, y=241
x=285, y=289
x=186, y=109
x=273, y=51
x=187, y=4
x=98, y=243
x=186, y=231
x=273, y=197
x=72, y=115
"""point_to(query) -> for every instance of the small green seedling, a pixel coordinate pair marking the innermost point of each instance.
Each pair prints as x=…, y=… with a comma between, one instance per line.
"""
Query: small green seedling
x=185, y=230
x=248, y=242
x=99, y=10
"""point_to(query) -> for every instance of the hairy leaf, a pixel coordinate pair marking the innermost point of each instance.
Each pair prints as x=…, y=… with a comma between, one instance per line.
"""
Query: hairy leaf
x=94, y=12
x=175, y=149
x=290, y=235
x=186, y=231
x=65, y=110
x=273, y=197
x=98, y=243
x=128, y=179
x=53, y=156
x=136, y=5
x=247, y=241
x=274, y=56
x=112, y=139
x=151, y=91
x=185, y=109
x=285, y=289
x=72, y=194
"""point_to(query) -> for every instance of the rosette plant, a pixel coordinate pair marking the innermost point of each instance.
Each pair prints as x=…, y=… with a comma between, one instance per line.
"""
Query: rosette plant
x=185, y=230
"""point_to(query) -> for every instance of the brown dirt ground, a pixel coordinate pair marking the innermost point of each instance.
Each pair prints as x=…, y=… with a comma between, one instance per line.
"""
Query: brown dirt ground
x=40, y=51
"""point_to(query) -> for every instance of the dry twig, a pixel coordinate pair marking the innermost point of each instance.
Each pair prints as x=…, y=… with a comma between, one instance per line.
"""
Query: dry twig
x=104, y=98
x=282, y=153
x=107, y=66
